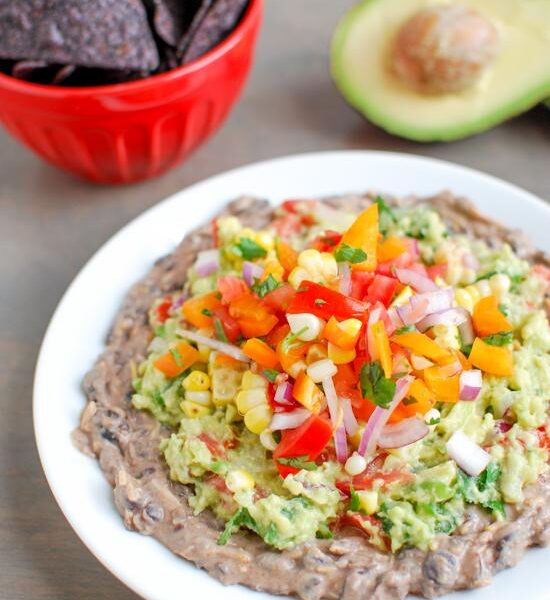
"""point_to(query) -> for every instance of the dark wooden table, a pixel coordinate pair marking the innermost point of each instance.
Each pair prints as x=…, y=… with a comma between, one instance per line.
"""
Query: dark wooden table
x=51, y=223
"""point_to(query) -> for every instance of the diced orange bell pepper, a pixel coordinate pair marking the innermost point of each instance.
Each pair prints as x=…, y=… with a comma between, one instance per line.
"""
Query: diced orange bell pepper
x=307, y=393
x=445, y=388
x=464, y=362
x=492, y=359
x=223, y=360
x=177, y=360
x=251, y=314
x=230, y=287
x=293, y=355
x=261, y=353
x=288, y=257
x=383, y=347
x=487, y=317
x=274, y=268
x=421, y=344
x=343, y=334
x=391, y=248
x=363, y=234
x=194, y=309
x=422, y=396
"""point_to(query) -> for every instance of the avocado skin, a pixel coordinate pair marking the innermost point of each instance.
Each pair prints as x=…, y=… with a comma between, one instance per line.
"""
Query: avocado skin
x=408, y=128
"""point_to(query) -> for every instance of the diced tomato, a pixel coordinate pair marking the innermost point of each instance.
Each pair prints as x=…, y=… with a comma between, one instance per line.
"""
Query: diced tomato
x=215, y=233
x=381, y=289
x=163, y=309
x=215, y=447
x=362, y=407
x=326, y=241
x=544, y=438
x=277, y=334
x=287, y=226
x=419, y=268
x=345, y=377
x=218, y=482
x=303, y=208
x=280, y=298
x=437, y=271
x=334, y=304
x=230, y=287
x=542, y=272
x=360, y=282
x=229, y=324
x=309, y=439
x=373, y=472
x=402, y=261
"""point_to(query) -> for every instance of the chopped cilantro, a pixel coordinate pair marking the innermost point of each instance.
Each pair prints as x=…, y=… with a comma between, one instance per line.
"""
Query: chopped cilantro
x=298, y=462
x=178, y=359
x=409, y=401
x=206, y=312
x=405, y=329
x=319, y=302
x=486, y=275
x=324, y=532
x=350, y=254
x=434, y=421
x=271, y=374
x=220, y=331
x=375, y=386
x=466, y=349
x=488, y=477
x=160, y=330
x=288, y=342
x=354, y=504
x=386, y=216
x=240, y=519
x=503, y=309
x=271, y=535
x=262, y=288
x=158, y=400
x=249, y=249
x=499, y=339
x=277, y=436
x=483, y=489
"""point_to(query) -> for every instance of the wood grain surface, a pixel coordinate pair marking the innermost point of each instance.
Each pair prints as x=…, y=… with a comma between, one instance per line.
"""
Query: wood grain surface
x=50, y=223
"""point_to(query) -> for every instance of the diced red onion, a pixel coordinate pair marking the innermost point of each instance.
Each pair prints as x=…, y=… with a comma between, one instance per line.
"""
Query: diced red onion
x=380, y=417
x=179, y=300
x=344, y=272
x=420, y=362
x=374, y=317
x=394, y=317
x=470, y=261
x=289, y=420
x=332, y=400
x=451, y=369
x=450, y=316
x=251, y=272
x=410, y=314
x=470, y=384
x=208, y=262
x=403, y=433
x=233, y=351
x=470, y=457
x=441, y=299
x=341, y=444
x=283, y=393
x=400, y=364
x=502, y=426
x=419, y=282
x=466, y=331
x=350, y=422
x=413, y=248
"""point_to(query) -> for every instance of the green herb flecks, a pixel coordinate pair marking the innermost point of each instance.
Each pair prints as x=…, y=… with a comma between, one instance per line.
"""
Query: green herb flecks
x=160, y=330
x=483, y=489
x=289, y=341
x=405, y=329
x=240, y=519
x=499, y=339
x=262, y=288
x=298, y=462
x=319, y=302
x=220, y=331
x=178, y=359
x=349, y=254
x=324, y=532
x=386, y=216
x=248, y=249
x=271, y=374
x=206, y=312
x=354, y=503
x=375, y=386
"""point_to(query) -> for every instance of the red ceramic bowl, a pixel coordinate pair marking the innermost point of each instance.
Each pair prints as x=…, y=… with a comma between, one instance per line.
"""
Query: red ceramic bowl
x=137, y=130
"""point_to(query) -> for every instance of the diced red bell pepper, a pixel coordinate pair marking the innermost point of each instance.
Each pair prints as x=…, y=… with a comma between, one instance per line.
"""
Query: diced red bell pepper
x=326, y=241
x=163, y=309
x=325, y=303
x=309, y=439
x=280, y=298
x=215, y=232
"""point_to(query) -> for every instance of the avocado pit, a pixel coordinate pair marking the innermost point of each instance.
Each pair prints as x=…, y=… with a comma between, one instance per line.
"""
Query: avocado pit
x=444, y=49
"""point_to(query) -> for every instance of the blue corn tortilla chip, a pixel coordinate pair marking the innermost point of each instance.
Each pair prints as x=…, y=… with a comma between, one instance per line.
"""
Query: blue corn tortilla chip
x=220, y=19
x=172, y=18
x=110, y=34
x=196, y=22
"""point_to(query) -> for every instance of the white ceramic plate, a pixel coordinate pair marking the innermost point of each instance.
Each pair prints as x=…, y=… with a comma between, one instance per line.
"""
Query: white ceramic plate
x=78, y=328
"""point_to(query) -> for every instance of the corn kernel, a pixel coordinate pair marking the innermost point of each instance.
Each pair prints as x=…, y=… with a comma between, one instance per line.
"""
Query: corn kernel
x=339, y=356
x=403, y=296
x=446, y=336
x=204, y=351
x=500, y=284
x=239, y=479
x=368, y=501
x=258, y=418
x=483, y=287
x=267, y=440
x=355, y=464
x=296, y=368
x=321, y=370
x=204, y=398
x=252, y=380
x=320, y=267
x=316, y=352
x=307, y=325
x=196, y=381
x=248, y=399
x=192, y=410
x=225, y=385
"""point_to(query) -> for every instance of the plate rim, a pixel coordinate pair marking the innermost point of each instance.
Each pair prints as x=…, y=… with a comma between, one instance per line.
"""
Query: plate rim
x=144, y=216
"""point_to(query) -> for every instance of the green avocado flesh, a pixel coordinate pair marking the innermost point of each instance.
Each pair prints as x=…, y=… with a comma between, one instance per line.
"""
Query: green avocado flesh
x=518, y=79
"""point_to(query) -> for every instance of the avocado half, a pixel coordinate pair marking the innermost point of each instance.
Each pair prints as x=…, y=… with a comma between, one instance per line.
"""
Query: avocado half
x=518, y=78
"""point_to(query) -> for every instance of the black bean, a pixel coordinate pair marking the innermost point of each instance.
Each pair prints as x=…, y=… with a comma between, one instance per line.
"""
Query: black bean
x=441, y=567
x=155, y=512
x=110, y=436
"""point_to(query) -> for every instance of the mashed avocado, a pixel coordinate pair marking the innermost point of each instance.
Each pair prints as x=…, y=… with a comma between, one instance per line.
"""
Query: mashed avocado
x=218, y=410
